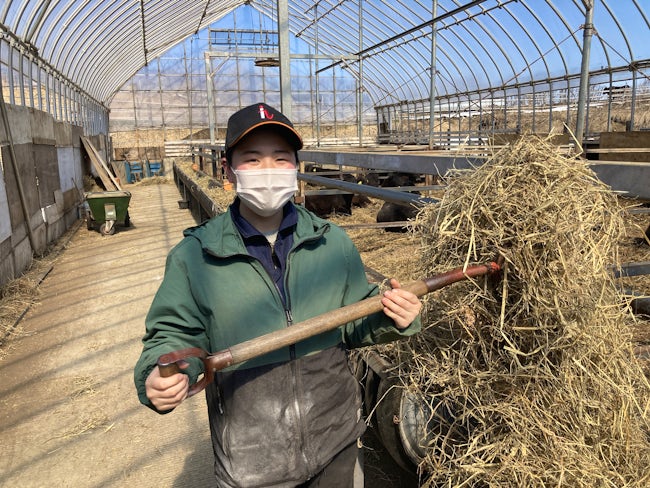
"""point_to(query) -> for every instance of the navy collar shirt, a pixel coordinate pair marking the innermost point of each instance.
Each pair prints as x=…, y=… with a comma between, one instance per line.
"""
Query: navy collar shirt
x=273, y=258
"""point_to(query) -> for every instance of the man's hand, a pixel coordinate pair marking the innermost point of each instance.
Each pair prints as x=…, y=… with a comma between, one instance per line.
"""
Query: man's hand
x=169, y=392
x=400, y=305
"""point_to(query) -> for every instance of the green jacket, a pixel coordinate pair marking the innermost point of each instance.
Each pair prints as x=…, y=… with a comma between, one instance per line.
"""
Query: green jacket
x=215, y=295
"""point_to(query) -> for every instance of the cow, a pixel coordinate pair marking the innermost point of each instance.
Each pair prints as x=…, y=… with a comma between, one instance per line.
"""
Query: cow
x=326, y=205
x=398, y=212
x=647, y=236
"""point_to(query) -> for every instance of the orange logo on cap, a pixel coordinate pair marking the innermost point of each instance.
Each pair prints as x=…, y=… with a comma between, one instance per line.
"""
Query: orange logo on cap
x=264, y=114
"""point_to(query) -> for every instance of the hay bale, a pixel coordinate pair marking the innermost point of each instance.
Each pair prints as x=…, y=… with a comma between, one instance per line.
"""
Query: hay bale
x=529, y=380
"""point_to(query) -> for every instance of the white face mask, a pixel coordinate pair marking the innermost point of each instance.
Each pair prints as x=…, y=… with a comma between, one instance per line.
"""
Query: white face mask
x=265, y=191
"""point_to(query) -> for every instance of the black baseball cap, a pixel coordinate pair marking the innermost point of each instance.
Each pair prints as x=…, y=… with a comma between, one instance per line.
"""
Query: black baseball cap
x=257, y=115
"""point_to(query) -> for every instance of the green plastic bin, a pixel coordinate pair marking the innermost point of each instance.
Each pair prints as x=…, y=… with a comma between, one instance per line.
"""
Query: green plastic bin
x=106, y=209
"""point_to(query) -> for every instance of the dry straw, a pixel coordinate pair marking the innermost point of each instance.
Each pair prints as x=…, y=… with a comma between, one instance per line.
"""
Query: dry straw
x=528, y=380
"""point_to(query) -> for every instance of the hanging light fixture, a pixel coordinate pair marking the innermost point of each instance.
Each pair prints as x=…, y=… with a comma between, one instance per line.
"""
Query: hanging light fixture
x=269, y=61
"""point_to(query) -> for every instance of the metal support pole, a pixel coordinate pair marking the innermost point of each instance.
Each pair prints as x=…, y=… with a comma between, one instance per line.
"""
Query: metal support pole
x=285, y=58
x=208, y=85
x=633, y=104
x=360, y=80
x=318, y=104
x=432, y=78
x=584, y=69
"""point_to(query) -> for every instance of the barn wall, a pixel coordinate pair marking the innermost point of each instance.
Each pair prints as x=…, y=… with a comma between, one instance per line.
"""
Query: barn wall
x=50, y=165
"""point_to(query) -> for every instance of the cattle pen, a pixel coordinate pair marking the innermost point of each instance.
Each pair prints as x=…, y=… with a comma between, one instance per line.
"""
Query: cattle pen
x=510, y=137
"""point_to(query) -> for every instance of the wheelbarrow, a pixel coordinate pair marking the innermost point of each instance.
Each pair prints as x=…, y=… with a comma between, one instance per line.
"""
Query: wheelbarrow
x=107, y=209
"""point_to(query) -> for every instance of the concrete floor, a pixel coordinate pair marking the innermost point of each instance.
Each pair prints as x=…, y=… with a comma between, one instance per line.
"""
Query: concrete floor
x=69, y=414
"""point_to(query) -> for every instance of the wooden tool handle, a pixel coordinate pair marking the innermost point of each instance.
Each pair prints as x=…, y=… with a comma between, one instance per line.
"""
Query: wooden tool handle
x=308, y=328
x=170, y=369
x=335, y=318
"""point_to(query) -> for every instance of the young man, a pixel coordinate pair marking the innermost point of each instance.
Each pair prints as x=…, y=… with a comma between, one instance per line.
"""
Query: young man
x=291, y=417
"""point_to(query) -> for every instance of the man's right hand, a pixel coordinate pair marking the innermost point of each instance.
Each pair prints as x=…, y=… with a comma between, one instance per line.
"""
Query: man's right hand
x=166, y=393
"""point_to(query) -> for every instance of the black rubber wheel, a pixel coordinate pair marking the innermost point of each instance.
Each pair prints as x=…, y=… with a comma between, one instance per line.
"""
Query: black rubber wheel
x=127, y=220
x=103, y=231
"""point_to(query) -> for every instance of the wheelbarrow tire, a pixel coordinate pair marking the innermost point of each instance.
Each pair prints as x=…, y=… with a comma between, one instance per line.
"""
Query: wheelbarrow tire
x=127, y=220
x=107, y=232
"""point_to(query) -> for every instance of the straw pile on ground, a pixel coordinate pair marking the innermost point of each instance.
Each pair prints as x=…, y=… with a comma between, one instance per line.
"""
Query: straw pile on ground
x=529, y=380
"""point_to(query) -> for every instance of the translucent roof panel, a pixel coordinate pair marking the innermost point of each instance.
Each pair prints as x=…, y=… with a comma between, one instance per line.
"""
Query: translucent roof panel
x=481, y=44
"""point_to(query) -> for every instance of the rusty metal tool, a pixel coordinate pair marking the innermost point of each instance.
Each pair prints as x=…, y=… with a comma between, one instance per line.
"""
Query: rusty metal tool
x=272, y=341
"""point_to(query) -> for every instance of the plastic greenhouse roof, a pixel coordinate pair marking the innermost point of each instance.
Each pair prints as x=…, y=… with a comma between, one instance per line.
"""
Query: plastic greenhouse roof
x=481, y=44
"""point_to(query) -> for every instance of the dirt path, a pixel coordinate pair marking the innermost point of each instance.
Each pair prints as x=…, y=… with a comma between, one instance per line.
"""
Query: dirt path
x=69, y=415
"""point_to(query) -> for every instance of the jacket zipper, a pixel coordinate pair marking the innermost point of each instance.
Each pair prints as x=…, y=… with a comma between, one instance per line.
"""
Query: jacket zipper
x=292, y=347
x=294, y=373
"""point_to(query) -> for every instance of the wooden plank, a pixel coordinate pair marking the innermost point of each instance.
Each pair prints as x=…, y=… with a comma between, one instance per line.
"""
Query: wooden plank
x=109, y=181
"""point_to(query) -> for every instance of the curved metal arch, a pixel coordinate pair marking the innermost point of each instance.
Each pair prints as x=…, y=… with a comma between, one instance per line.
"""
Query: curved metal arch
x=386, y=96
x=461, y=24
x=550, y=36
x=496, y=43
x=35, y=22
x=409, y=84
x=469, y=50
x=62, y=30
x=156, y=21
x=49, y=22
x=135, y=63
x=566, y=25
x=84, y=70
x=622, y=32
x=424, y=66
x=603, y=44
x=516, y=46
x=52, y=35
x=448, y=27
x=52, y=21
x=391, y=55
x=469, y=32
x=399, y=88
x=425, y=63
x=20, y=11
x=397, y=57
x=403, y=83
x=341, y=26
x=375, y=68
x=129, y=66
x=441, y=33
x=98, y=47
x=81, y=37
x=450, y=59
x=442, y=66
x=643, y=16
x=5, y=13
x=447, y=80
